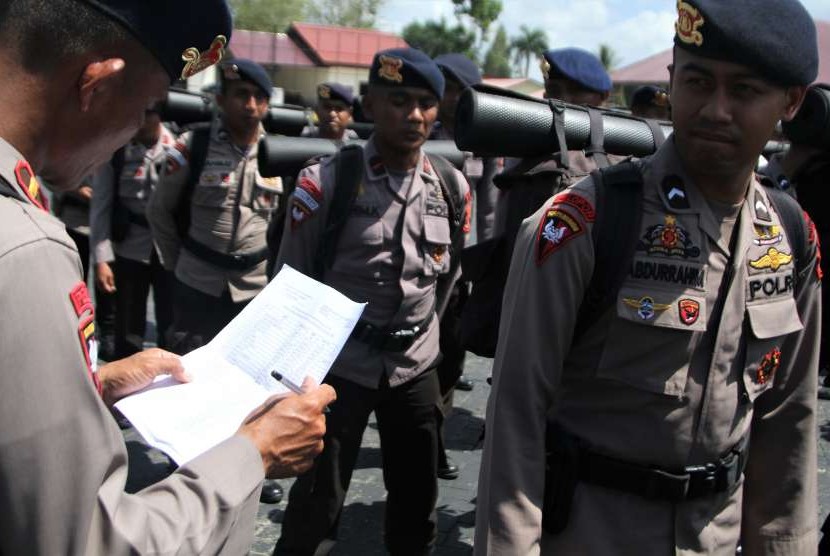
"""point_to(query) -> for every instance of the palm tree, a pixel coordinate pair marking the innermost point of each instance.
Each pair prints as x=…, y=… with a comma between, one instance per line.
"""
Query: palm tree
x=608, y=57
x=528, y=45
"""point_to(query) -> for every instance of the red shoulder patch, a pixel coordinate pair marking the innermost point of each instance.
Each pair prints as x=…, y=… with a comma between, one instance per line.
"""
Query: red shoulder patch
x=578, y=202
x=813, y=239
x=468, y=212
x=177, y=156
x=85, y=311
x=305, y=201
x=556, y=229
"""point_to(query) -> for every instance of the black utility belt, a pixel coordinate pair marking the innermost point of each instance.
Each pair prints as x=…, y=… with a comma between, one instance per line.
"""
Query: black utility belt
x=240, y=261
x=385, y=339
x=653, y=482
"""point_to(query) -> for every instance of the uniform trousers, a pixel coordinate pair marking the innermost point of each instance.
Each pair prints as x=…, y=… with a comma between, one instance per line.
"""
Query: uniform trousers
x=407, y=418
x=198, y=317
x=132, y=285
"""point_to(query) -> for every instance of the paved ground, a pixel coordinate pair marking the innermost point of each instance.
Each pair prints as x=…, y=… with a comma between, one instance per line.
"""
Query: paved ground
x=361, y=529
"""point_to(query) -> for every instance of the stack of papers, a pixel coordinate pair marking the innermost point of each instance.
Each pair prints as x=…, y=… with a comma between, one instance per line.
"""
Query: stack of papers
x=296, y=326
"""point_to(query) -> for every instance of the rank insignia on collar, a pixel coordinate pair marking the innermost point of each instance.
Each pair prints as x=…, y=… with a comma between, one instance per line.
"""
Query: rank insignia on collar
x=768, y=366
x=675, y=192
x=669, y=240
x=761, y=210
x=689, y=311
x=28, y=184
x=773, y=260
x=198, y=61
x=390, y=68
x=647, y=309
x=767, y=235
x=557, y=228
x=688, y=24
x=324, y=92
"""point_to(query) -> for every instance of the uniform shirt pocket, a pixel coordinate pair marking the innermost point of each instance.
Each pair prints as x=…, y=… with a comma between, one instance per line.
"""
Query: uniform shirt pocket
x=770, y=323
x=213, y=189
x=436, y=245
x=649, y=343
x=359, y=244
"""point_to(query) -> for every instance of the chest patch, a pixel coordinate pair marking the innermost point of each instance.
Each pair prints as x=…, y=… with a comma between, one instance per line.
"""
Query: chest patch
x=668, y=239
x=772, y=260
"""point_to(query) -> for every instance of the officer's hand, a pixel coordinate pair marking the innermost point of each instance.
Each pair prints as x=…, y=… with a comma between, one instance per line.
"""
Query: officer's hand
x=104, y=278
x=125, y=376
x=84, y=192
x=288, y=430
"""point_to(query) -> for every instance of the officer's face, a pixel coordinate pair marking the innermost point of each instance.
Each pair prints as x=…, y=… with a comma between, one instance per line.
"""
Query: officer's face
x=572, y=92
x=724, y=113
x=333, y=117
x=243, y=105
x=113, y=97
x=403, y=116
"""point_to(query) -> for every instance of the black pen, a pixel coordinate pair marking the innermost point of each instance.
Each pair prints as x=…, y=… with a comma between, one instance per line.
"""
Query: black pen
x=285, y=381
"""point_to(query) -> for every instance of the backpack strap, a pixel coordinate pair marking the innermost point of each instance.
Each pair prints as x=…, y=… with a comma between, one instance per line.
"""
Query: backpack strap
x=619, y=204
x=348, y=173
x=457, y=214
x=792, y=218
x=198, y=155
x=596, y=149
x=558, y=111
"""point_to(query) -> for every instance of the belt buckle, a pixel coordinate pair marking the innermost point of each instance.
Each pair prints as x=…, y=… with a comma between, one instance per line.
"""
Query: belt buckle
x=703, y=480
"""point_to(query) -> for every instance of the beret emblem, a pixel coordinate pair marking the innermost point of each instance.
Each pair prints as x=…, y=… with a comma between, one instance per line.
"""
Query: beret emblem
x=390, y=68
x=323, y=91
x=545, y=66
x=198, y=61
x=689, y=21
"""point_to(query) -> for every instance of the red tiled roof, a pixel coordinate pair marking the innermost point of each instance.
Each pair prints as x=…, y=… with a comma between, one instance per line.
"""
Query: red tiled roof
x=268, y=48
x=330, y=45
x=653, y=69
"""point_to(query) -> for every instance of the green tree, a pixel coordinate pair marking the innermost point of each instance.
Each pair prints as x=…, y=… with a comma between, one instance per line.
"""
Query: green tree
x=608, y=57
x=348, y=13
x=530, y=44
x=437, y=37
x=497, y=61
x=267, y=15
x=482, y=12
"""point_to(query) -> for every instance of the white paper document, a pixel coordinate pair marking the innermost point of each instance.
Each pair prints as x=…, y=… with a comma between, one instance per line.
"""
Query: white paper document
x=295, y=326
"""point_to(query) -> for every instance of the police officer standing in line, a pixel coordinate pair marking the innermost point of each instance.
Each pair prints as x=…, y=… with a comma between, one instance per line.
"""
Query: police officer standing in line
x=392, y=251
x=648, y=413
x=126, y=260
x=334, y=113
x=459, y=73
x=652, y=102
x=219, y=261
x=77, y=77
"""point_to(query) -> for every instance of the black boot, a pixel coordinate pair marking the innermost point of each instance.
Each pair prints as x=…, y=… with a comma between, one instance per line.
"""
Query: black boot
x=271, y=493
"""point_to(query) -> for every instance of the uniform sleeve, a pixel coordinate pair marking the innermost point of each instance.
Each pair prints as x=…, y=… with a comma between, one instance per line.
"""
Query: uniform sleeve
x=551, y=267
x=63, y=465
x=780, y=484
x=161, y=209
x=305, y=221
x=486, y=196
x=100, y=214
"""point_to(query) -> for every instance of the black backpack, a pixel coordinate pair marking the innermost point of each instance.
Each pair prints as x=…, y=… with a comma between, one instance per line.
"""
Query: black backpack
x=615, y=236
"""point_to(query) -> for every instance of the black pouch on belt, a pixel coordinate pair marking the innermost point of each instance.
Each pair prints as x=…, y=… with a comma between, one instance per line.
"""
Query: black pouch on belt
x=561, y=476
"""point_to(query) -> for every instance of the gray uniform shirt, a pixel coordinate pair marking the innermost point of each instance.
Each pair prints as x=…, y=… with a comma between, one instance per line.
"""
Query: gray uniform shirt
x=138, y=178
x=393, y=247
x=230, y=209
x=648, y=383
x=63, y=464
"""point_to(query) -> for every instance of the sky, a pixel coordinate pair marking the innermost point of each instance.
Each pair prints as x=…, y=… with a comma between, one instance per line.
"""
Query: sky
x=635, y=29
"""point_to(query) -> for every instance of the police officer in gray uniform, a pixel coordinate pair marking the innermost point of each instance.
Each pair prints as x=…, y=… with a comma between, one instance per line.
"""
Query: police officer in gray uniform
x=392, y=251
x=126, y=260
x=334, y=113
x=219, y=260
x=681, y=420
x=77, y=77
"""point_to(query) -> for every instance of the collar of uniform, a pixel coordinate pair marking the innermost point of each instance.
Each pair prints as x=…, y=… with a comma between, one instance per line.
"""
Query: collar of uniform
x=11, y=162
x=376, y=170
x=220, y=133
x=678, y=192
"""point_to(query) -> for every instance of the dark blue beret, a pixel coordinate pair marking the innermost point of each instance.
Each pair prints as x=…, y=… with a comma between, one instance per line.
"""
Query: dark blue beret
x=650, y=95
x=459, y=67
x=186, y=36
x=406, y=67
x=247, y=70
x=776, y=38
x=577, y=65
x=335, y=91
